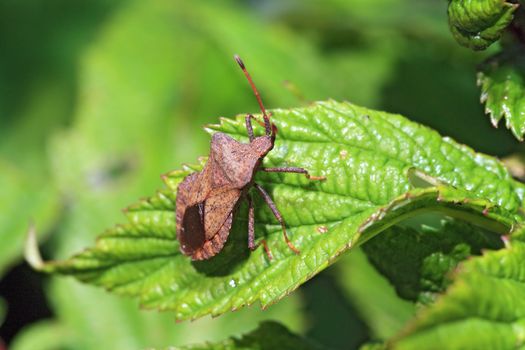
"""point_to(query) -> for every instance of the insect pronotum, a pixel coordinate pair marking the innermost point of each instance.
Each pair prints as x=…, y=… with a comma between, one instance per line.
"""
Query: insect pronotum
x=207, y=200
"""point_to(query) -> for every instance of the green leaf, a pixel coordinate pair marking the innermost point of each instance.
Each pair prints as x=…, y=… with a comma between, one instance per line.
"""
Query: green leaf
x=369, y=159
x=483, y=309
x=269, y=335
x=502, y=82
x=477, y=24
x=421, y=275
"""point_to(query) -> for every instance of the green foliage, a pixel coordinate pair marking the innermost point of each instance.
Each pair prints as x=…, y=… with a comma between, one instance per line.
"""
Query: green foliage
x=483, y=308
x=502, y=81
x=269, y=335
x=477, y=24
x=97, y=99
x=421, y=276
x=142, y=259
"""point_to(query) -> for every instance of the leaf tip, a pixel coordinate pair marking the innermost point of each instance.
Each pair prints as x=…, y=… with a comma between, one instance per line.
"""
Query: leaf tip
x=493, y=120
x=31, y=252
x=209, y=128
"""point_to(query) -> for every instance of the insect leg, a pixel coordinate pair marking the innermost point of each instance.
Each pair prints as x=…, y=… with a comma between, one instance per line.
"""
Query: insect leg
x=277, y=215
x=251, y=230
x=249, y=127
x=293, y=170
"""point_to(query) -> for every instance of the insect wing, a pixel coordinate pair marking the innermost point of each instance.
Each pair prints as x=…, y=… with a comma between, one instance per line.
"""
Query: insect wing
x=217, y=207
x=190, y=226
x=213, y=246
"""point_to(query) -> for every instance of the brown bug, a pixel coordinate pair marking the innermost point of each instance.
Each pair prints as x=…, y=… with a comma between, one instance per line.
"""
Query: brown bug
x=207, y=200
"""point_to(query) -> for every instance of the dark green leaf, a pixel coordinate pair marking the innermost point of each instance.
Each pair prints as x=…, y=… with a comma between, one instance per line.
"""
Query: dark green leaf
x=434, y=251
x=482, y=309
x=477, y=24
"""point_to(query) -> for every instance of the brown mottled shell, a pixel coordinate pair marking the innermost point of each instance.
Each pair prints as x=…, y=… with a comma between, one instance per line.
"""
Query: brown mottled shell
x=207, y=200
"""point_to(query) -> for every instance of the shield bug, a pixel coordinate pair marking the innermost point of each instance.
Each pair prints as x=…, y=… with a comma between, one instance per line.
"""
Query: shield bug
x=207, y=200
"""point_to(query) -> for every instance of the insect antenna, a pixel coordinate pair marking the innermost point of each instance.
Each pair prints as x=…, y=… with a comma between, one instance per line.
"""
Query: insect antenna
x=270, y=129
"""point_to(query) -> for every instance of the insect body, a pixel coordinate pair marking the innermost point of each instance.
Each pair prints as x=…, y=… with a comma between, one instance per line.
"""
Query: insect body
x=207, y=200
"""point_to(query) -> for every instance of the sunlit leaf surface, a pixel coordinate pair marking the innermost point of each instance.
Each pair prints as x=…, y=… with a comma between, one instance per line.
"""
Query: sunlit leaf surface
x=380, y=169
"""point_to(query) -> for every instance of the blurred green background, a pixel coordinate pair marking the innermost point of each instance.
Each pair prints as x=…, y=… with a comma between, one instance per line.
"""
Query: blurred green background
x=98, y=98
